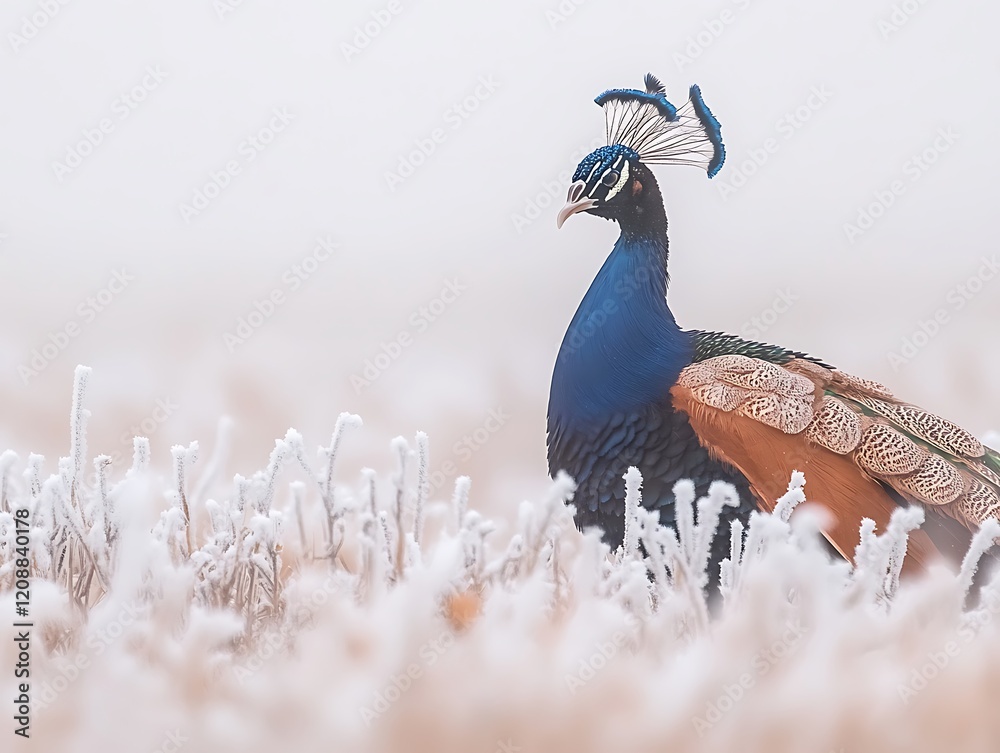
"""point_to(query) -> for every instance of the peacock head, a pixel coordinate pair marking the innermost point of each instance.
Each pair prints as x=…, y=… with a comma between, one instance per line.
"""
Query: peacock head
x=643, y=128
x=601, y=184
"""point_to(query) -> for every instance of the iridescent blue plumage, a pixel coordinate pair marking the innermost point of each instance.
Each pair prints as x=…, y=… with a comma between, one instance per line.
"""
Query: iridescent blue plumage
x=712, y=127
x=603, y=158
x=656, y=99
x=623, y=321
x=609, y=405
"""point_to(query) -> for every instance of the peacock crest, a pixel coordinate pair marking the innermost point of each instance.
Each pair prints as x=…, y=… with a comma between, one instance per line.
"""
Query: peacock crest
x=649, y=126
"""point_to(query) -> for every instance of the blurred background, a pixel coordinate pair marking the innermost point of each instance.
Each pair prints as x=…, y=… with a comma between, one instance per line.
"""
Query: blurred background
x=279, y=211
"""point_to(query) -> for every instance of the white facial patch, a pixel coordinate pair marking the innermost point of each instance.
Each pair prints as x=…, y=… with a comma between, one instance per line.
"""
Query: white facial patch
x=622, y=180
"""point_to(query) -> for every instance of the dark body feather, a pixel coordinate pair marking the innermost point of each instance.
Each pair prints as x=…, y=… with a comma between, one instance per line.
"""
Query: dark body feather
x=660, y=442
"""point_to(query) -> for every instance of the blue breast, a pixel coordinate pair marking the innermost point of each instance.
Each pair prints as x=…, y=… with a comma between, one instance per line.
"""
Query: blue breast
x=610, y=406
x=623, y=350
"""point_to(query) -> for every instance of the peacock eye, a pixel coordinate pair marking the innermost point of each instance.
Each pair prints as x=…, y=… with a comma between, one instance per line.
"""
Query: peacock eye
x=610, y=178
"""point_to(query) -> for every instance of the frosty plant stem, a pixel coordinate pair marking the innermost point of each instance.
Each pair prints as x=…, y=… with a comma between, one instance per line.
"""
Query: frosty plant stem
x=250, y=578
x=399, y=482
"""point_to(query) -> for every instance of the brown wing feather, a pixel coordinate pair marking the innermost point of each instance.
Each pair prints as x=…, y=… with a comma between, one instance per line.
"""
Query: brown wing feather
x=767, y=456
x=861, y=448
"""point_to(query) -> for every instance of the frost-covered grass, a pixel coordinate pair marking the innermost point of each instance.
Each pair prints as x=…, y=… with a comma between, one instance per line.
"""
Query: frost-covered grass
x=284, y=611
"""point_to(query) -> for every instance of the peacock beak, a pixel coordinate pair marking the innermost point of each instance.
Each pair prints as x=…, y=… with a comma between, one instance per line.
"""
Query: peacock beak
x=574, y=203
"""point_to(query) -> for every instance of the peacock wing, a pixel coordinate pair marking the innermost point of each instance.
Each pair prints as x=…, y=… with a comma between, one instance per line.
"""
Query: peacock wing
x=861, y=448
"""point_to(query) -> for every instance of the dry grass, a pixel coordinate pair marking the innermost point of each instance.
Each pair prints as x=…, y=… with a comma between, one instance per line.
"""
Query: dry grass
x=287, y=612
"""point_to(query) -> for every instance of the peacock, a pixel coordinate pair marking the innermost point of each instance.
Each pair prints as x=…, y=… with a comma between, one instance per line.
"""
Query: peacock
x=630, y=387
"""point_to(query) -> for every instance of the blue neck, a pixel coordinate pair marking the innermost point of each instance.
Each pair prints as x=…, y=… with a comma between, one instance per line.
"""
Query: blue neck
x=623, y=350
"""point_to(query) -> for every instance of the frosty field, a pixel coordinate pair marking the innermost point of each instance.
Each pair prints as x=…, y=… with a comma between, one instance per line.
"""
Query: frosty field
x=313, y=607
x=251, y=215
